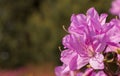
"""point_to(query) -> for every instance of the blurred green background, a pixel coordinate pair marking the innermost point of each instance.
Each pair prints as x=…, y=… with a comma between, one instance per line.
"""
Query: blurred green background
x=31, y=30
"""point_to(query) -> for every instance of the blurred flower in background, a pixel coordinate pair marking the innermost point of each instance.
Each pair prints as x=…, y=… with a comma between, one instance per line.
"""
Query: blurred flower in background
x=115, y=8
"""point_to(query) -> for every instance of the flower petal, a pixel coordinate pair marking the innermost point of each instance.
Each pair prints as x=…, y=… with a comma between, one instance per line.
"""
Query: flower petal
x=100, y=73
x=103, y=18
x=92, y=13
x=97, y=61
x=67, y=55
x=78, y=62
x=62, y=70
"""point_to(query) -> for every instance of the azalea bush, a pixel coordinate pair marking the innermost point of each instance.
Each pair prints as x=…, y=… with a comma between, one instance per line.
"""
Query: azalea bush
x=92, y=45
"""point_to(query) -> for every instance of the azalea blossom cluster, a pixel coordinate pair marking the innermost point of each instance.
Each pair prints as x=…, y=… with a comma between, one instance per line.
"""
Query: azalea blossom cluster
x=92, y=45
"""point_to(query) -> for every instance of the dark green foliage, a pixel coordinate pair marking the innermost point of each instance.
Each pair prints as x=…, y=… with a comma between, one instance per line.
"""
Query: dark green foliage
x=31, y=30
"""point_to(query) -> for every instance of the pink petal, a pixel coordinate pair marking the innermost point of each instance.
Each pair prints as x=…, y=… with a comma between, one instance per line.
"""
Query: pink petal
x=97, y=61
x=103, y=18
x=78, y=62
x=67, y=56
x=92, y=13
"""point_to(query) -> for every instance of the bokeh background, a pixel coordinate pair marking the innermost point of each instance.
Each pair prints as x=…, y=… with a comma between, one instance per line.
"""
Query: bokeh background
x=31, y=32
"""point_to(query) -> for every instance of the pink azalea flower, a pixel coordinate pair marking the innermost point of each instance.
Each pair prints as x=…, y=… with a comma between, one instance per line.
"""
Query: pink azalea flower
x=89, y=37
